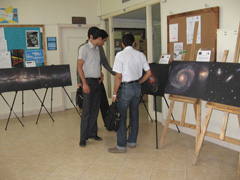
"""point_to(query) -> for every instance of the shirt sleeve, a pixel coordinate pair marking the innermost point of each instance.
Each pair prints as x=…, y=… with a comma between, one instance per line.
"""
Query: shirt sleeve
x=145, y=63
x=104, y=60
x=82, y=53
x=117, y=66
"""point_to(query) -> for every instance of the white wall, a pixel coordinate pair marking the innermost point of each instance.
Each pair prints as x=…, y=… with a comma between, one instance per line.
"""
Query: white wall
x=50, y=13
x=228, y=19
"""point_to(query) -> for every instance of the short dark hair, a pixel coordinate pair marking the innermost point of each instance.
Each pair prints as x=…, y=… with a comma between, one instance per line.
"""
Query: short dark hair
x=128, y=40
x=92, y=30
x=100, y=33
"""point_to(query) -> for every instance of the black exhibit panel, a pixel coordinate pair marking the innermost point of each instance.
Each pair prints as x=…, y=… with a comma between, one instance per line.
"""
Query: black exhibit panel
x=55, y=76
x=156, y=84
x=210, y=81
x=223, y=85
x=18, y=79
x=188, y=78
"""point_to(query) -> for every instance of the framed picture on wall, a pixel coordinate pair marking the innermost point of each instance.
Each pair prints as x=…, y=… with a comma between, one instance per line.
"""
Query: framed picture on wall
x=32, y=39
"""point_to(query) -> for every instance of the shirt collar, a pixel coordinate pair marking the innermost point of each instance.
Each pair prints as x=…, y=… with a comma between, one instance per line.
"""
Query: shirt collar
x=91, y=45
x=128, y=47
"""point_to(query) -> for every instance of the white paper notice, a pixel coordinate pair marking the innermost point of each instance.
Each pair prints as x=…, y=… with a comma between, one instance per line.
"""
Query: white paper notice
x=203, y=55
x=164, y=59
x=178, y=50
x=173, y=32
x=3, y=46
x=5, y=60
x=2, y=36
x=190, y=29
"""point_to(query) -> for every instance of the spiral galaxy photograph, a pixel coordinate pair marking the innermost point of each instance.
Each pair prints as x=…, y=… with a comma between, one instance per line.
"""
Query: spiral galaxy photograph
x=188, y=78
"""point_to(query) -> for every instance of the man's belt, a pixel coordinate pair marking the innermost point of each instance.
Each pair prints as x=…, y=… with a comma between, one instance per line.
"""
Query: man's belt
x=130, y=82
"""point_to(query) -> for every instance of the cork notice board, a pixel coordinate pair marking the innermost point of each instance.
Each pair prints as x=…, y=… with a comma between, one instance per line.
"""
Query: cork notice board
x=209, y=25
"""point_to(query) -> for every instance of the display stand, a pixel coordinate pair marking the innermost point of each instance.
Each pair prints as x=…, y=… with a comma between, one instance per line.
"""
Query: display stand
x=141, y=100
x=11, y=109
x=71, y=101
x=185, y=100
x=227, y=110
x=42, y=102
x=42, y=105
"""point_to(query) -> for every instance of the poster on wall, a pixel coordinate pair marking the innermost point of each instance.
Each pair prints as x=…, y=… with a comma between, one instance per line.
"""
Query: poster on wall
x=8, y=15
x=35, y=55
x=32, y=39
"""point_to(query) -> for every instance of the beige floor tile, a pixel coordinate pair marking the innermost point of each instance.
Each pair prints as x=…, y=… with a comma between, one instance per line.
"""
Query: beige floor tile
x=201, y=176
x=132, y=173
x=168, y=175
x=96, y=172
x=50, y=151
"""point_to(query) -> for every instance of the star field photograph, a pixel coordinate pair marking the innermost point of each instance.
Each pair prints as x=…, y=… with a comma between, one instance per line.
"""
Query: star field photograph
x=223, y=85
x=188, y=78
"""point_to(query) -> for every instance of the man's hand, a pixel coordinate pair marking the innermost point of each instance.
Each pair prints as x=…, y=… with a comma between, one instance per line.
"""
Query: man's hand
x=86, y=89
x=101, y=78
x=114, y=98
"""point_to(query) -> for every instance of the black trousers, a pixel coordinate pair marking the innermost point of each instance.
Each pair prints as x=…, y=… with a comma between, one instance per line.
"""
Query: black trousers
x=91, y=104
x=104, y=105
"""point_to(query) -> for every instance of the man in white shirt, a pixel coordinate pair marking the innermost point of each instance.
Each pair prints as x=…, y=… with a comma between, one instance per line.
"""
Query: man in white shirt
x=128, y=65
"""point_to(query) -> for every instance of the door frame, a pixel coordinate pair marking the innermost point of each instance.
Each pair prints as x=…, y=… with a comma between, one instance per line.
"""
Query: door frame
x=60, y=46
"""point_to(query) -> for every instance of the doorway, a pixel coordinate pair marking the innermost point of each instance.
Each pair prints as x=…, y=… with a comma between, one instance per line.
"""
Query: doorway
x=71, y=37
x=137, y=19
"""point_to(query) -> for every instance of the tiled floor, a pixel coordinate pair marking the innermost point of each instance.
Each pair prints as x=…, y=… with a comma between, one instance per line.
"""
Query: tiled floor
x=50, y=151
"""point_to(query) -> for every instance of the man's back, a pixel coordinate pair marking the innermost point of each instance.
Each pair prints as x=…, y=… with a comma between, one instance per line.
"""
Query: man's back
x=130, y=64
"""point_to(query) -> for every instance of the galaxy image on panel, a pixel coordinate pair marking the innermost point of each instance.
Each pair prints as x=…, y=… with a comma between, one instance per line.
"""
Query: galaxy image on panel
x=18, y=79
x=223, y=84
x=156, y=84
x=188, y=78
x=55, y=76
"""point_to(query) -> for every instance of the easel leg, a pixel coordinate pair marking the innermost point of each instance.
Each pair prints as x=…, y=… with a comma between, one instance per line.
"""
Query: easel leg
x=71, y=100
x=171, y=113
x=145, y=107
x=51, y=98
x=202, y=135
x=198, y=120
x=167, y=124
x=11, y=110
x=22, y=104
x=42, y=105
x=155, y=105
x=239, y=168
x=239, y=119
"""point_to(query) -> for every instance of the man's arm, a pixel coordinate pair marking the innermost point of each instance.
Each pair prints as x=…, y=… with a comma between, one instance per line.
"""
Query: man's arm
x=118, y=80
x=145, y=77
x=86, y=88
x=104, y=61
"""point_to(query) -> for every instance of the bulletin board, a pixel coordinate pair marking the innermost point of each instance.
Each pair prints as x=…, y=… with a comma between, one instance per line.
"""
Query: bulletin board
x=209, y=25
x=17, y=38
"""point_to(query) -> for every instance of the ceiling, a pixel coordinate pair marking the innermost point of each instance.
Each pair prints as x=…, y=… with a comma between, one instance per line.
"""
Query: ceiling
x=140, y=14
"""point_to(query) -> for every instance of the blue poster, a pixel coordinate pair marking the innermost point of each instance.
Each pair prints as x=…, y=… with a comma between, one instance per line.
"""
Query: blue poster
x=35, y=55
x=8, y=15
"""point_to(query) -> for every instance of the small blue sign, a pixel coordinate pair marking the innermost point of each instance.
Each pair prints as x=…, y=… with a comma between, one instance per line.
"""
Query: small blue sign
x=35, y=55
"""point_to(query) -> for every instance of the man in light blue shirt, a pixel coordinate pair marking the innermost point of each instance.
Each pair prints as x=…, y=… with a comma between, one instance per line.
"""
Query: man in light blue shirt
x=89, y=69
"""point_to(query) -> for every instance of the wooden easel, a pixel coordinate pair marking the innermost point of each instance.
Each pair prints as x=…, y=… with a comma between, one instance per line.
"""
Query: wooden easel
x=226, y=109
x=185, y=100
